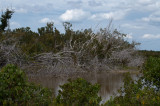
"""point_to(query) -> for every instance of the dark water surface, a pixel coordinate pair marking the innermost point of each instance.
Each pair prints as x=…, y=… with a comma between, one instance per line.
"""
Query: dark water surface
x=110, y=82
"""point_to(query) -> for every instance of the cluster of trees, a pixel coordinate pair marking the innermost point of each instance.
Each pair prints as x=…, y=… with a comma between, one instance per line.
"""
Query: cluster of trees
x=48, y=49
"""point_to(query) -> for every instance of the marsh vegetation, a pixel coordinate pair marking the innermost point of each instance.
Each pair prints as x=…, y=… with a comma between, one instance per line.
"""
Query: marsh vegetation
x=48, y=52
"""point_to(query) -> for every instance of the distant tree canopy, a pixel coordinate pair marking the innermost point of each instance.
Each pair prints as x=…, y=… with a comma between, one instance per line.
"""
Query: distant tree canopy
x=150, y=53
x=5, y=18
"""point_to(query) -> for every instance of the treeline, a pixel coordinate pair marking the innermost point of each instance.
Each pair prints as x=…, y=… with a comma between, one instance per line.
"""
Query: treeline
x=50, y=49
x=151, y=53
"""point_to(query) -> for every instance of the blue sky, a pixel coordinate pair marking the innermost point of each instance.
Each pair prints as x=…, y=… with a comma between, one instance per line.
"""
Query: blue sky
x=139, y=19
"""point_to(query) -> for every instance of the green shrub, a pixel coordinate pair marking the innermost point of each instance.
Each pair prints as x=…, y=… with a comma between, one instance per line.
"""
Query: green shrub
x=135, y=93
x=145, y=91
x=15, y=89
x=151, y=72
x=78, y=92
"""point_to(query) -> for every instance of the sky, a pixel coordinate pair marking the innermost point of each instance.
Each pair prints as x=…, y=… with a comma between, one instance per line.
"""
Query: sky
x=139, y=19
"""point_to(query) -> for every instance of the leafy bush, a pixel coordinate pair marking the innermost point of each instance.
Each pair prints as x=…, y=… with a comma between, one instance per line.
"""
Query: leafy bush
x=15, y=89
x=78, y=92
x=145, y=91
x=134, y=92
x=151, y=72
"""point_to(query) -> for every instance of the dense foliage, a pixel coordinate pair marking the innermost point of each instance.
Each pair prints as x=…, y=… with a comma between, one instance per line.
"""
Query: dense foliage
x=144, y=91
x=79, y=92
x=151, y=72
x=16, y=90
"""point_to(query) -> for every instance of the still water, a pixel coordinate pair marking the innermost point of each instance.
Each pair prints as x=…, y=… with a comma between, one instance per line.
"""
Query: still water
x=110, y=82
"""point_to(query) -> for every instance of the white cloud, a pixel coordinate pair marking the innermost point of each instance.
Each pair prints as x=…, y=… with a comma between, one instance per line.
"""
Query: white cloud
x=153, y=18
x=147, y=19
x=45, y=20
x=149, y=5
x=74, y=15
x=117, y=15
x=132, y=26
x=151, y=36
x=21, y=10
x=144, y=1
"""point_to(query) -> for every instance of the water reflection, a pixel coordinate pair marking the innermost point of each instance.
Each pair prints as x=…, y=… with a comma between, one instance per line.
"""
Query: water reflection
x=110, y=82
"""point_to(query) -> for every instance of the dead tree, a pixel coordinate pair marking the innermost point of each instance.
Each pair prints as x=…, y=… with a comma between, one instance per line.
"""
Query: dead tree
x=10, y=53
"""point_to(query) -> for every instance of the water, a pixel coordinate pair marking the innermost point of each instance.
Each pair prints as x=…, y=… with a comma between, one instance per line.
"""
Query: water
x=110, y=82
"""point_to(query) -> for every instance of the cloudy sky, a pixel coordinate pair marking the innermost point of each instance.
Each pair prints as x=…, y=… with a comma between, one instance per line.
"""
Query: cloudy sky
x=139, y=19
